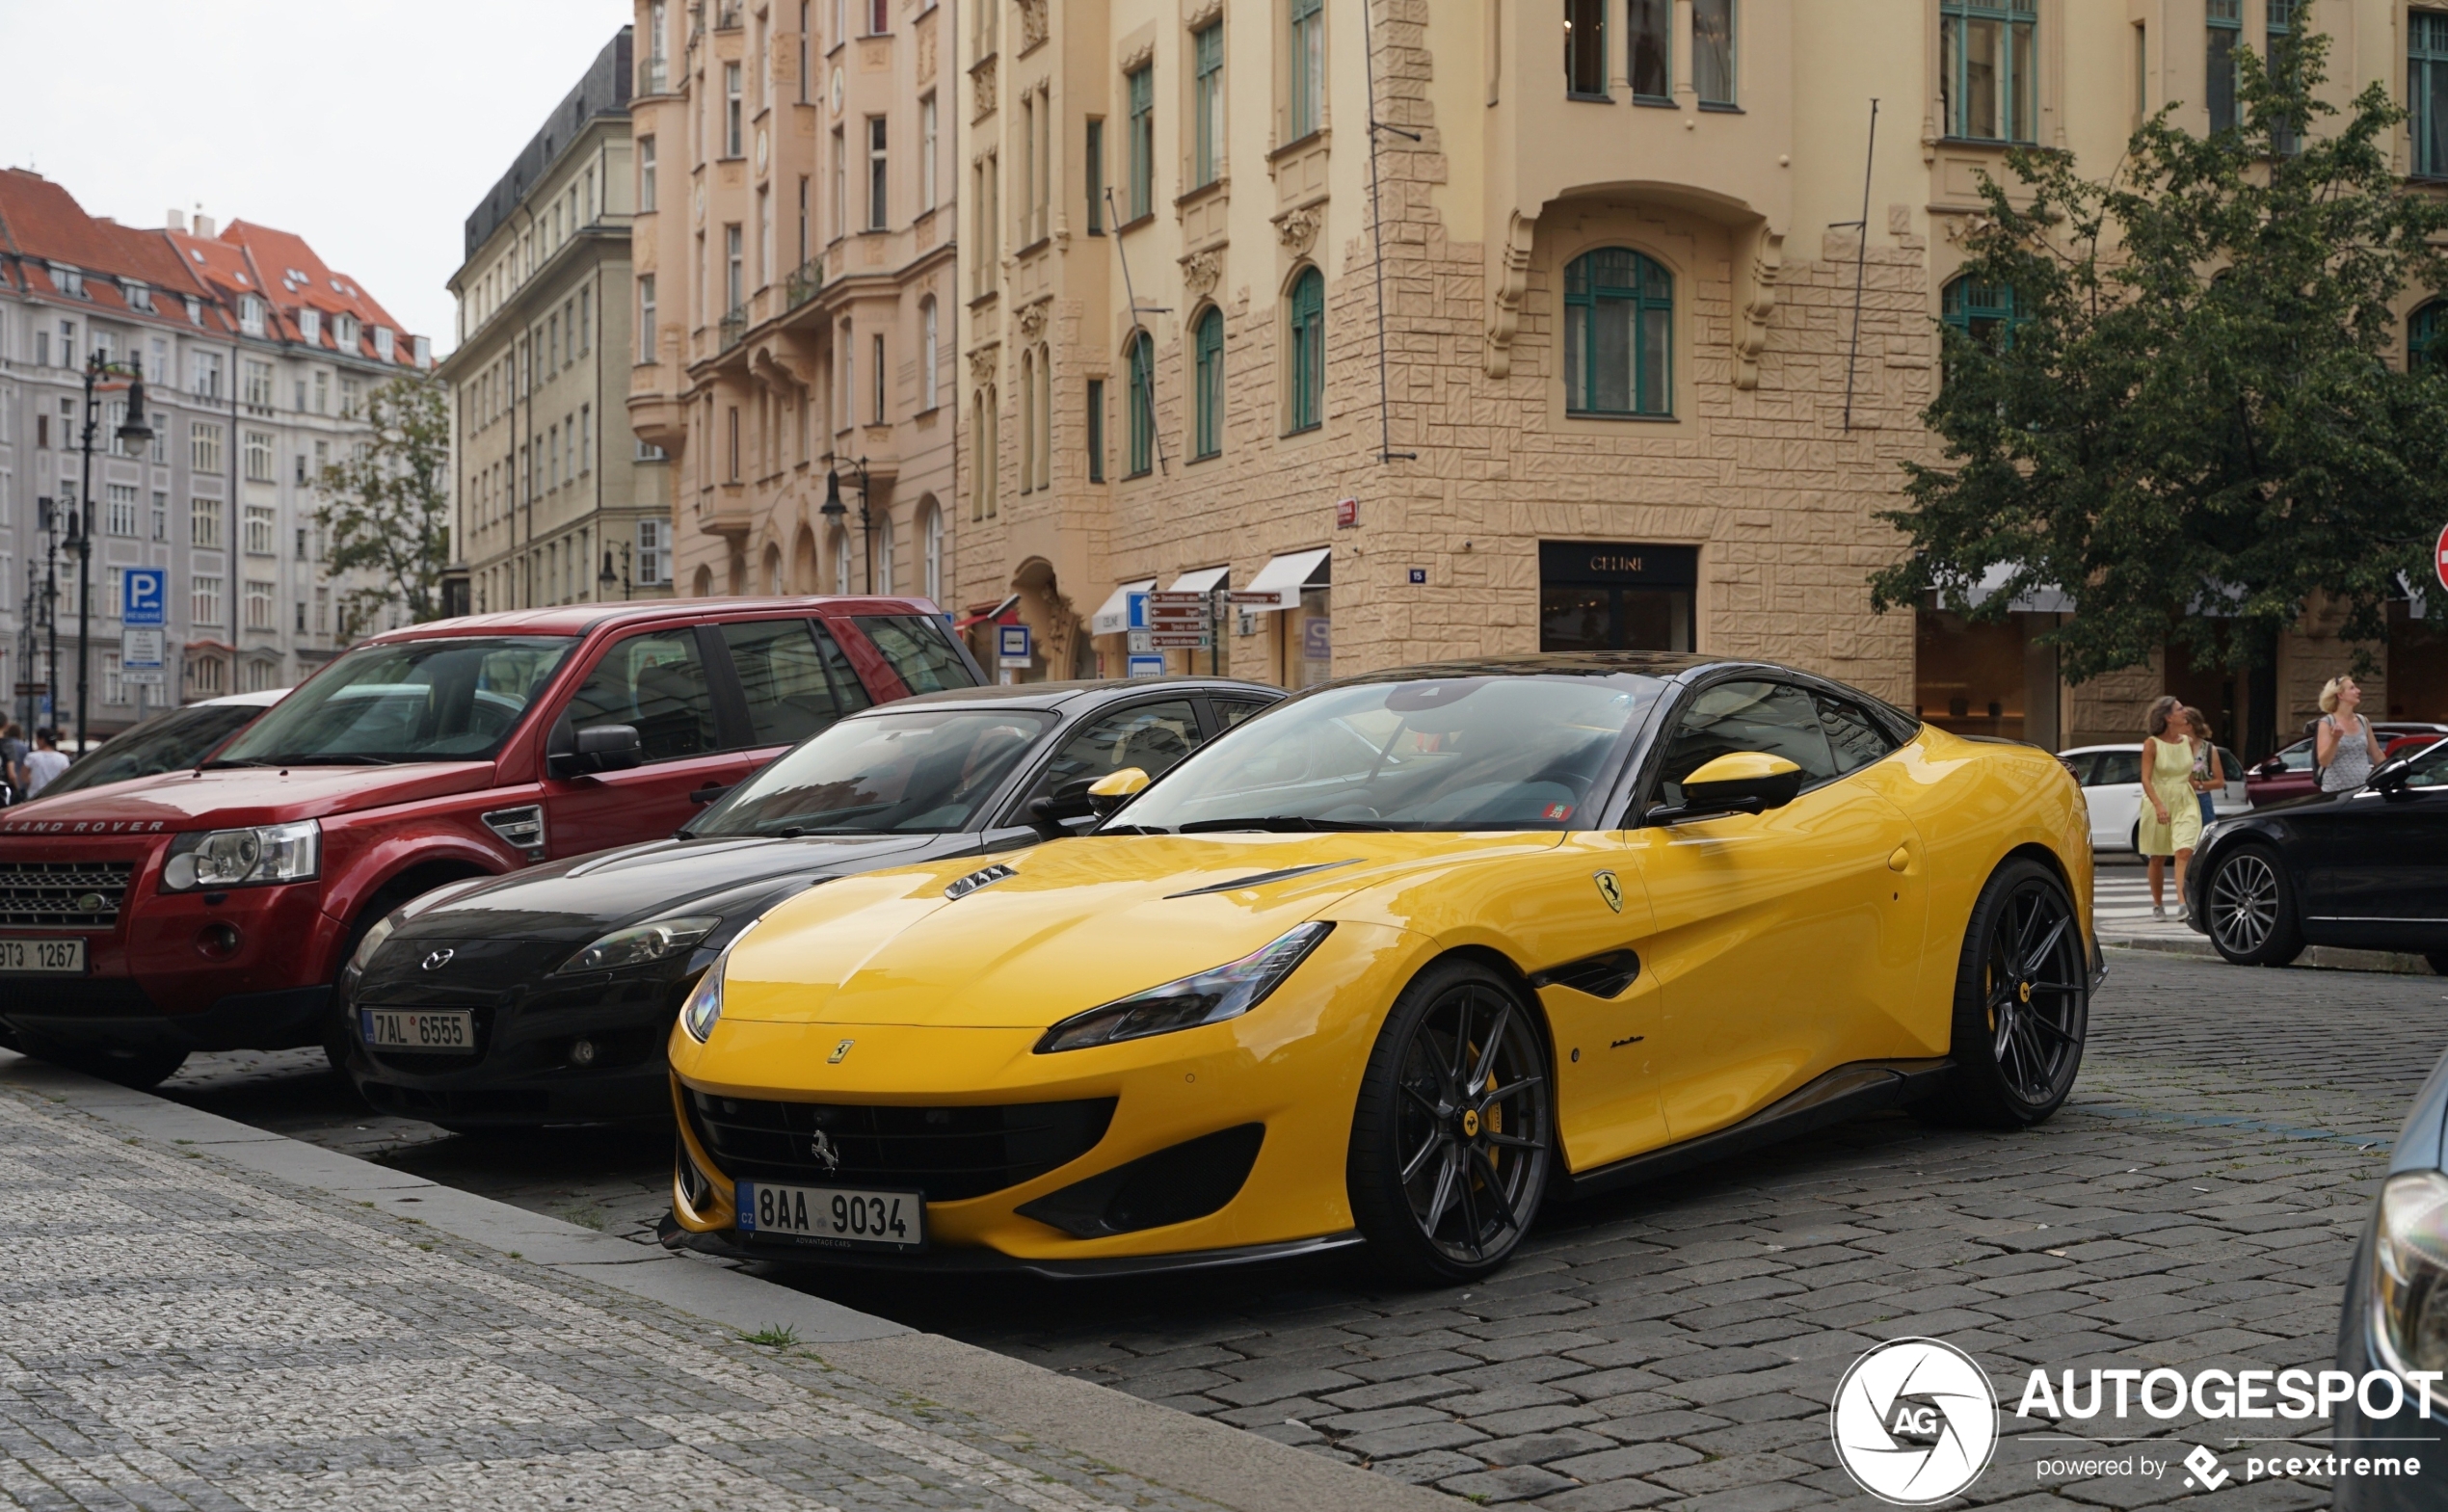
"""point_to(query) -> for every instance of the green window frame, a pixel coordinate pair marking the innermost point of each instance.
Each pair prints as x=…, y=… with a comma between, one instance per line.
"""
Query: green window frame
x=2280, y=50
x=1305, y=108
x=1305, y=352
x=1984, y=312
x=1649, y=50
x=1207, y=91
x=1209, y=439
x=1988, y=69
x=1618, y=335
x=1095, y=174
x=1142, y=141
x=2426, y=90
x=1585, y=49
x=2224, y=38
x=1712, y=42
x=1142, y=405
x=1095, y=430
x=2423, y=331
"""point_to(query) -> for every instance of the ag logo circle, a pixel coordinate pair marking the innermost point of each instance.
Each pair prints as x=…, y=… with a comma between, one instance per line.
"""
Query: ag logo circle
x=1915, y=1421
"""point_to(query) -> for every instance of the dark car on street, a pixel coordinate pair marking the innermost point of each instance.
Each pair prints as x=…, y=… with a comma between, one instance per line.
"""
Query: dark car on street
x=2288, y=773
x=2395, y=1320
x=2366, y=869
x=546, y=996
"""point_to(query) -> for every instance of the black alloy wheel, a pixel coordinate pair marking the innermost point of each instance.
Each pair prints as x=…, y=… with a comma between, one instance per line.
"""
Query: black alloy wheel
x=2252, y=909
x=1454, y=1131
x=2022, y=1003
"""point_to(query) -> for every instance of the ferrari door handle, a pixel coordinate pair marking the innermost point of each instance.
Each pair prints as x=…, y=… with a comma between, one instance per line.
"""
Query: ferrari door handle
x=1901, y=859
x=708, y=793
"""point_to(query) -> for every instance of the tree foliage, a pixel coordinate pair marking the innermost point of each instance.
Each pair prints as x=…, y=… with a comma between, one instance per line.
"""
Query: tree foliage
x=389, y=513
x=2192, y=429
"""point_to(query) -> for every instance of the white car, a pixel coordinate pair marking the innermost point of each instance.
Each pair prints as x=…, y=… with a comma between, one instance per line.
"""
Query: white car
x=2111, y=784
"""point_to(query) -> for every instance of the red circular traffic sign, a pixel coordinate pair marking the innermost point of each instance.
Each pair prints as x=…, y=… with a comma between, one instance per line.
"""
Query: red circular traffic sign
x=2439, y=557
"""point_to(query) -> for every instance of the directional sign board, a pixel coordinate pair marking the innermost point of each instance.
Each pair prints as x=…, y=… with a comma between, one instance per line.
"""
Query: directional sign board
x=1178, y=640
x=144, y=596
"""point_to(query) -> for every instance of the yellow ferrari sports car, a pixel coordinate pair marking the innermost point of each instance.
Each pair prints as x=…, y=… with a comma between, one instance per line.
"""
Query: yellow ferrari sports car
x=1392, y=964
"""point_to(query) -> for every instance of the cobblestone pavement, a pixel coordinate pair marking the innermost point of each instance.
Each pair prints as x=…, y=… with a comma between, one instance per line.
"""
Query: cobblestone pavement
x=179, y=1333
x=2195, y=1205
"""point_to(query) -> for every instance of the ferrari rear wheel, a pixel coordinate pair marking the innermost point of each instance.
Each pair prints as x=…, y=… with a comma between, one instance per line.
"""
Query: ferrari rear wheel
x=1455, y=1126
x=2022, y=1003
x=2252, y=909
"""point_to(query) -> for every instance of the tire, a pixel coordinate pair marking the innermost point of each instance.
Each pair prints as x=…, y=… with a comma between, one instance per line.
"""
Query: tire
x=2022, y=1004
x=1442, y=1189
x=2250, y=904
x=2438, y=960
x=140, y=1070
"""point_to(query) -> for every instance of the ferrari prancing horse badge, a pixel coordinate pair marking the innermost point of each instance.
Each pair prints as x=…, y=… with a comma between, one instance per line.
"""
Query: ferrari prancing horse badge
x=1610, y=890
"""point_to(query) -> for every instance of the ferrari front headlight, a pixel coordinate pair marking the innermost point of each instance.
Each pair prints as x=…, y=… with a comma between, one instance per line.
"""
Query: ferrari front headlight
x=248, y=857
x=705, y=1004
x=2409, y=1272
x=640, y=943
x=1213, y=997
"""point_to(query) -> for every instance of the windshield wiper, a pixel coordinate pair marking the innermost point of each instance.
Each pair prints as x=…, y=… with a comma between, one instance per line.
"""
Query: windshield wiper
x=1134, y=829
x=1292, y=822
x=330, y=759
x=226, y=764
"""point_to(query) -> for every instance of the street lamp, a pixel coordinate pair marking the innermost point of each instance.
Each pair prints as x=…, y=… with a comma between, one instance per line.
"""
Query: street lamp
x=134, y=433
x=835, y=513
x=604, y=579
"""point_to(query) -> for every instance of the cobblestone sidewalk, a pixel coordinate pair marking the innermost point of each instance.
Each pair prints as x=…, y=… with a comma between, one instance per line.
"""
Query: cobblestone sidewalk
x=177, y=1331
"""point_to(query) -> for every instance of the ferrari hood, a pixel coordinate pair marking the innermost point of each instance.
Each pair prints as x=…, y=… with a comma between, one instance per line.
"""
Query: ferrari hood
x=1031, y=936
x=580, y=899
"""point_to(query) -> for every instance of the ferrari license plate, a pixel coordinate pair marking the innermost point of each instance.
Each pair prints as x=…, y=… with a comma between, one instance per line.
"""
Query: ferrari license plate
x=44, y=957
x=418, y=1029
x=838, y=1216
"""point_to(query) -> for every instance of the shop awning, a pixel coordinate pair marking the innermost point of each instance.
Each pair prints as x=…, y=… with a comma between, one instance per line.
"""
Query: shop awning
x=983, y=616
x=1284, y=577
x=1114, y=616
x=2040, y=601
x=1205, y=581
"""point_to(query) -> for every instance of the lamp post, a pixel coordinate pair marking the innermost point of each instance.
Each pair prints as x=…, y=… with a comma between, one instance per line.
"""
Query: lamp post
x=604, y=579
x=835, y=513
x=135, y=433
x=48, y=514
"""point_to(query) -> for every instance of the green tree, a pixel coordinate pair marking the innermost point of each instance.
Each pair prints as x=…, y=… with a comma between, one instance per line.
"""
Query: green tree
x=389, y=513
x=2188, y=423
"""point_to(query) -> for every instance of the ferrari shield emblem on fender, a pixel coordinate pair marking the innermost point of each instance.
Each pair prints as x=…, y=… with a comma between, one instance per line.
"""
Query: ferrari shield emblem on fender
x=1610, y=890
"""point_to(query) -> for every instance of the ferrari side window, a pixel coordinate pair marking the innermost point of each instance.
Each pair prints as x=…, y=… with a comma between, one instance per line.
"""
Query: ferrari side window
x=1150, y=736
x=1775, y=718
x=1853, y=737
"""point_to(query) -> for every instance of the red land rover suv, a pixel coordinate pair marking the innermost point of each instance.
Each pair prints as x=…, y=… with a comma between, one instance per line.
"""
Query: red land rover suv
x=212, y=908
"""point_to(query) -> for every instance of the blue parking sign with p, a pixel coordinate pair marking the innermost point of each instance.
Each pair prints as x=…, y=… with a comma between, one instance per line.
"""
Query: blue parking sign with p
x=144, y=595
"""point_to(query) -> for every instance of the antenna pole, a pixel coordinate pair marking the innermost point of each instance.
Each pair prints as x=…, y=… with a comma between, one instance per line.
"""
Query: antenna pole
x=1861, y=259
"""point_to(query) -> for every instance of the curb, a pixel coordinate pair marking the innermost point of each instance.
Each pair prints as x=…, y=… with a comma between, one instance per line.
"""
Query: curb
x=2333, y=958
x=1188, y=1453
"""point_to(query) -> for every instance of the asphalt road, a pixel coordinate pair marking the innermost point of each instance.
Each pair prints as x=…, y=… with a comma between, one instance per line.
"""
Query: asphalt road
x=2196, y=1204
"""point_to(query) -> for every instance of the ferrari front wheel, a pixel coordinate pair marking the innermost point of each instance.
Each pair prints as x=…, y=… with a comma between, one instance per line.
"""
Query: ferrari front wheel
x=2022, y=1003
x=1454, y=1127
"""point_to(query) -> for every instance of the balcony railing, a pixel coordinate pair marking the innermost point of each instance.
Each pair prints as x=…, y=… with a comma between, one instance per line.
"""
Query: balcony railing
x=654, y=77
x=734, y=327
x=803, y=285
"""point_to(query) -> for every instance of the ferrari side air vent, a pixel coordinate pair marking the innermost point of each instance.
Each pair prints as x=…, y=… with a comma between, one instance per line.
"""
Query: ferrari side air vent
x=1603, y=976
x=983, y=876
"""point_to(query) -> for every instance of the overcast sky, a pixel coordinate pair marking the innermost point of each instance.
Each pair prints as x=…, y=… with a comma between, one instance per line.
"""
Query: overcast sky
x=370, y=127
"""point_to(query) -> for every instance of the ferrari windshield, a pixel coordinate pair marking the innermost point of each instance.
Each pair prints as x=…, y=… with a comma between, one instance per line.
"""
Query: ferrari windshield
x=915, y=771
x=453, y=698
x=1494, y=753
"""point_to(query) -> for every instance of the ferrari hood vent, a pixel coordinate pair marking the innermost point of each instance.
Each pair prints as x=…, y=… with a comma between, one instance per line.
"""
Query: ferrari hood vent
x=983, y=876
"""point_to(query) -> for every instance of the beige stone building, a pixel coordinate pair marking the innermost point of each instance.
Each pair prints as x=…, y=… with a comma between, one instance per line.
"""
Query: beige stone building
x=795, y=293
x=557, y=501
x=1613, y=362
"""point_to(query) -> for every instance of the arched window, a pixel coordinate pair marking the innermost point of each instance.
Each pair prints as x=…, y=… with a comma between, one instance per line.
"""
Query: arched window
x=1210, y=437
x=773, y=570
x=931, y=529
x=1027, y=421
x=1618, y=335
x=1305, y=354
x=2424, y=328
x=1142, y=404
x=702, y=586
x=1987, y=312
x=933, y=334
x=887, y=580
x=1045, y=418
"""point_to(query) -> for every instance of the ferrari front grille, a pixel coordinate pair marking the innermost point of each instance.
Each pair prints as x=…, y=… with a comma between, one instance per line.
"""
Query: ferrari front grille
x=71, y=894
x=948, y=1153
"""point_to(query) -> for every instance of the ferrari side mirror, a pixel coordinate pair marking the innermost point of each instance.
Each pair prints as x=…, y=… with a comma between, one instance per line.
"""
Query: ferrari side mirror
x=1114, y=789
x=1739, y=782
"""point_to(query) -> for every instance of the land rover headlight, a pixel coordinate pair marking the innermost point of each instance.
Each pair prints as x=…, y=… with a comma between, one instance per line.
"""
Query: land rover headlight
x=258, y=857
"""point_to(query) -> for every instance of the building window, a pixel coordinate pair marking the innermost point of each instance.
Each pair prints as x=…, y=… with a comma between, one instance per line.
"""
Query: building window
x=1586, y=48
x=114, y=686
x=260, y=384
x=161, y=514
x=1093, y=173
x=653, y=553
x=932, y=543
x=930, y=364
x=203, y=374
x=1027, y=421
x=1985, y=312
x=1044, y=440
x=1651, y=48
x=730, y=109
x=1713, y=51
x=259, y=457
x=2423, y=330
x=647, y=345
x=1618, y=335
x=203, y=523
x=2280, y=52
x=840, y=185
x=1095, y=430
x=1142, y=141
x=1142, y=361
x=645, y=173
x=1208, y=438
x=928, y=153
x=2225, y=36
x=875, y=378
x=1305, y=57
x=259, y=529
x=204, y=600
x=879, y=17
x=2426, y=90
x=734, y=269
x=1305, y=354
x=258, y=605
x=876, y=175
x=1987, y=69
x=982, y=467
x=1206, y=105
x=119, y=505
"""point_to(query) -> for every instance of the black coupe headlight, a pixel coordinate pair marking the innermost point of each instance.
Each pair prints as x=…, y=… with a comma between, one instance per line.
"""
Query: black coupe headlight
x=1213, y=997
x=640, y=943
x=2410, y=1274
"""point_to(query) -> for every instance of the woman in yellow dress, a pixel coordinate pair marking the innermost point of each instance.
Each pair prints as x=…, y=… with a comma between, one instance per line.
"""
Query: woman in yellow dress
x=2170, y=823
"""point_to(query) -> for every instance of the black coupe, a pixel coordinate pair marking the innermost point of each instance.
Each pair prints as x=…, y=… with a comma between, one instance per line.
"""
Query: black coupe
x=2367, y=869
x=545, y=997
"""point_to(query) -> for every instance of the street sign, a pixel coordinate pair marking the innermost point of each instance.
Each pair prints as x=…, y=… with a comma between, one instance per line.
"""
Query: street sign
x=1146, y=666
x=1263, y=597
x=1346, y=514
x=141, y=677
x=1137, y=641
x=1013, y=646
x=1135, y=611
x=1177, y=598
x=140, y=649
x=1419, y=574
x=144, y=596
x=2439, y=557
x=1178, y=640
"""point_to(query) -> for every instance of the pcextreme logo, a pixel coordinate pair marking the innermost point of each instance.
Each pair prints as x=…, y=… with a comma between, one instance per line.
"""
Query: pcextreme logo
x=1915, y=1420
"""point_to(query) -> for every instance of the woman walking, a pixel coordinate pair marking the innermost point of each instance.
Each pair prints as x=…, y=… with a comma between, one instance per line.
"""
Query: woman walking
x=2342, y=746
x=2209, y=769
x=2170, y=823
